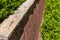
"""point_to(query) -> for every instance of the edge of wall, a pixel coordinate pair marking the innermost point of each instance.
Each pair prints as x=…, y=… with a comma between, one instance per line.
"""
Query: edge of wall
x=9, y=24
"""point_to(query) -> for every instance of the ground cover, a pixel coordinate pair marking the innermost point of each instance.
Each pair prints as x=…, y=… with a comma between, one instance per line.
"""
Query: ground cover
x=7, y=7
x=51, y=26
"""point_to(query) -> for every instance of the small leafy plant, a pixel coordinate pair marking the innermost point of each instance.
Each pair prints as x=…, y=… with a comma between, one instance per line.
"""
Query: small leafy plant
x=7, y=7
x=51, y=26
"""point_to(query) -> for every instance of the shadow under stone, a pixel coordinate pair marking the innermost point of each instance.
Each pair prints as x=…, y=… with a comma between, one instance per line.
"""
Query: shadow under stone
x=18, y=31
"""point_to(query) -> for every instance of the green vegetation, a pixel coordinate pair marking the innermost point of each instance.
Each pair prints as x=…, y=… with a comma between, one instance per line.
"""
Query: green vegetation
x=7, y=7
x=51, y=26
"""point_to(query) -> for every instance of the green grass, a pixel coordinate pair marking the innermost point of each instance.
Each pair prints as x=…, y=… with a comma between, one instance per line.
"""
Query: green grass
x=7, y=7
x=51, y=26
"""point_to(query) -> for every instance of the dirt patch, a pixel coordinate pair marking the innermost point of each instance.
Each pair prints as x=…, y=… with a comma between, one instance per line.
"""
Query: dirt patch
x=31, y=29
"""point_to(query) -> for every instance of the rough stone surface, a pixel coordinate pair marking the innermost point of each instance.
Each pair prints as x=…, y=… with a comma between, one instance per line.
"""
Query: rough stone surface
x=9, y=24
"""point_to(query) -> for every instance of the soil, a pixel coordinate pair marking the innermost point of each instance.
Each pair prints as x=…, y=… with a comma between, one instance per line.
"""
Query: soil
x=31, y=30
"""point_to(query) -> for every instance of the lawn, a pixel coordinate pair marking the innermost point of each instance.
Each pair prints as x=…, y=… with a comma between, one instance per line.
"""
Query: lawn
x=51, y=26
x=7, y=7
